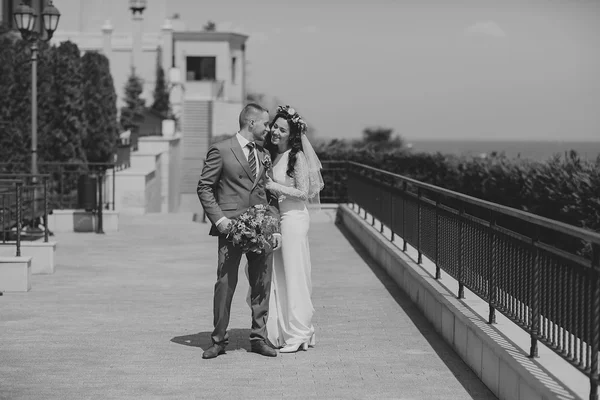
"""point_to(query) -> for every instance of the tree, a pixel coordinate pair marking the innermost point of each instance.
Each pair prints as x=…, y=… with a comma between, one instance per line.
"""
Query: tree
x=100, y=109
x=15, y=81
x=6, y=32
x=61, y=118
x=210, y=27
x=132, y=114
x=161, y=93
x=380, y=139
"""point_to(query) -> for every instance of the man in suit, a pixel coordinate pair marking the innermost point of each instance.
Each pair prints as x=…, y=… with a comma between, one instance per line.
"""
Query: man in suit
x=233, y=180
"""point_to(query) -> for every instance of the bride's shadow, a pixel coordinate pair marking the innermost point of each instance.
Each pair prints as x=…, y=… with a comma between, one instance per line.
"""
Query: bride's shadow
x=238, y=339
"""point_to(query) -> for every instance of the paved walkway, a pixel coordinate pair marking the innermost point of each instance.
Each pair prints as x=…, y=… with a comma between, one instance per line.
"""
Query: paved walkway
x=127, y=315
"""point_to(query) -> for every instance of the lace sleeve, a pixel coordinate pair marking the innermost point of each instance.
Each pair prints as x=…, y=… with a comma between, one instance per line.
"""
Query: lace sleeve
x=301, y=183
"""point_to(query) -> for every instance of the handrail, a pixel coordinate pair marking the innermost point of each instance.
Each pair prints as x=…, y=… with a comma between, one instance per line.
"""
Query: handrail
x=537, y=279
x=581, y=233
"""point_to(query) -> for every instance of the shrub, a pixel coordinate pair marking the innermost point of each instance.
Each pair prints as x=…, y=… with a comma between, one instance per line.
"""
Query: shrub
x=565, y=189
x=100, y=109
x=161, y=103
x=132, y=114
x=62, y=141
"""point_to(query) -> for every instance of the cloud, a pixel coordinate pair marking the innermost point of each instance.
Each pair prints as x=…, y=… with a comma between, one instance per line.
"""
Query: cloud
x=487, y=28
x=309, y=29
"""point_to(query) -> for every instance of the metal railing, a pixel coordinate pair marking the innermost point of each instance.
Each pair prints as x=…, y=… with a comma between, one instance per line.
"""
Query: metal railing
x=63, y=178
x=123, y=155
x=532, y=269
x=23, y=203
x=334, y=176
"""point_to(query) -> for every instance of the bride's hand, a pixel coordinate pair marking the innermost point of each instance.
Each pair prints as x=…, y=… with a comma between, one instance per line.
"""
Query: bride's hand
x=270, y=184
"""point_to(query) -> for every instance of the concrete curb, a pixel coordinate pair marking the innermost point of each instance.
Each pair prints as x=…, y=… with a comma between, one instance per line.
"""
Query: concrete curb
x=503, y=367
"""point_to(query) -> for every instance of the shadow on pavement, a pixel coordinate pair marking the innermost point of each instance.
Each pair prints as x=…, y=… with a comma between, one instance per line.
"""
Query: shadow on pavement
x=238, y=339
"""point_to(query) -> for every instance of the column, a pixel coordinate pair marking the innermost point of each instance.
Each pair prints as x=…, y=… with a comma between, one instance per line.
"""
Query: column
x=136, y=51
x=242, y=62
x=107, y=30
x=167, y=46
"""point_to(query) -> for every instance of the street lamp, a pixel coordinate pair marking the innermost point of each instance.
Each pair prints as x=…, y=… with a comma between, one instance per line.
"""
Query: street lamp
x=25, y=18
x=137, y=6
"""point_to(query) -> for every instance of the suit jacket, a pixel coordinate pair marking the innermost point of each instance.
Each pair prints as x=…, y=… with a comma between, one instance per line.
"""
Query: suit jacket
x=227, y=188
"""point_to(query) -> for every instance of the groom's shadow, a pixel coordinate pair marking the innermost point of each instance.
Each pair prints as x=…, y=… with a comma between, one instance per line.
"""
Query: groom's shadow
x=238, y=339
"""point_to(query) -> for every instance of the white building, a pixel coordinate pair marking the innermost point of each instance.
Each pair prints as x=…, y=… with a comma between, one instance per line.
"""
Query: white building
x=206, y=68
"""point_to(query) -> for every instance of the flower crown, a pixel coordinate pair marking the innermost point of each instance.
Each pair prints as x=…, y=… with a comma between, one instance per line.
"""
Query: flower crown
x=293, y=116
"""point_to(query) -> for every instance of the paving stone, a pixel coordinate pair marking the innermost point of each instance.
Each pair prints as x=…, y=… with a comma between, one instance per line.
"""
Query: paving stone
x=127, y=315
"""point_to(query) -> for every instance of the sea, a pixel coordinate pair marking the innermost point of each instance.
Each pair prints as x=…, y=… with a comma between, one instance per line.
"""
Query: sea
x=532, y=150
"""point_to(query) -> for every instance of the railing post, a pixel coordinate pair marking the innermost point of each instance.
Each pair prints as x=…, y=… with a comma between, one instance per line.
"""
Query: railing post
x=114, y=175
x=438, y=270
x=392, y=214
x=377, y=198
x=99, y=176
x=461, y=285
x=4, y=219
x=381, y=195
x=62, y=186
x=419, y=200
x=19, y=189
x=535, y=295
x=33, y=199
x=404, y=243
x=492, y=271
x=420, y=254
x=46, y=209
x=595, y=339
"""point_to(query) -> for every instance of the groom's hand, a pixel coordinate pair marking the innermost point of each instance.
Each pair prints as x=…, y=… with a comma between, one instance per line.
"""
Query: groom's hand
x=276, y=241
x=223, y=226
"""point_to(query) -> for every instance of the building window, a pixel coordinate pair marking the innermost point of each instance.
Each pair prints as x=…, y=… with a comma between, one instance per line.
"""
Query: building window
x=233, y=69
x=7, y=8
x=7, y=13
x=201, y=68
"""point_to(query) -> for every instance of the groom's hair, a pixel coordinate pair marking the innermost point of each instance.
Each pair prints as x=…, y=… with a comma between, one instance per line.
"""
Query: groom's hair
x=250, y=112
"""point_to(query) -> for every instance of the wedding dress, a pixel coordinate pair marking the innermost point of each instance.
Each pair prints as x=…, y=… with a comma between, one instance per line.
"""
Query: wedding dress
x=290, y=306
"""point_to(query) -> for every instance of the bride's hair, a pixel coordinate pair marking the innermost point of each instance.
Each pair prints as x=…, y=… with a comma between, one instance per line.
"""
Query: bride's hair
x=297, y=128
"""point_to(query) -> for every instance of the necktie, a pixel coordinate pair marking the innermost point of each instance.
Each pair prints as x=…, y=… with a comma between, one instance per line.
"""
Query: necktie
x=252, y=159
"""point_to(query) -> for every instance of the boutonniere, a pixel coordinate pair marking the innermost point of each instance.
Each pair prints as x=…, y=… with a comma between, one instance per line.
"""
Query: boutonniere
x=268, y=164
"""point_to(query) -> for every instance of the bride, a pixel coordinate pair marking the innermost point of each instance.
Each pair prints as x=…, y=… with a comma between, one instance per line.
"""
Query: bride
x=297, y=182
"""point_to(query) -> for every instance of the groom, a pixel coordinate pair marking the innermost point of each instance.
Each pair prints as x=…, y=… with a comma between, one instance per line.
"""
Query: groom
x=232, y=181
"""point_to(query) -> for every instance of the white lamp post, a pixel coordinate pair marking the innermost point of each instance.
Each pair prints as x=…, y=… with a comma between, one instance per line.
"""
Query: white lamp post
x=137, y=8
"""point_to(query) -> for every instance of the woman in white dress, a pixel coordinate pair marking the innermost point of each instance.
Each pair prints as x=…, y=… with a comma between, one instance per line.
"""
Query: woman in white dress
x=297, y=181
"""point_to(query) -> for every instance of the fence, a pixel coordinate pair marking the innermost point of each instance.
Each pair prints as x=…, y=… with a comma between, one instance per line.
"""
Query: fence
x=522, y=265
x=123, y=155
x=63, y=179
x=23, y=204
x=334, y=177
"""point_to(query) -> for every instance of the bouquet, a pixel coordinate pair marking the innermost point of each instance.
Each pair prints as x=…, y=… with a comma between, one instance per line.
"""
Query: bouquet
x=253, y=230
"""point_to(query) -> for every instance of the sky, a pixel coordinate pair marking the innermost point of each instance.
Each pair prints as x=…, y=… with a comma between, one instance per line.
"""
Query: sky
x=472, y=69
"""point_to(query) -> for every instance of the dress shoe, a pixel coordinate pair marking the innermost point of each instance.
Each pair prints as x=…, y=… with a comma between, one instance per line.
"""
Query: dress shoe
x=213, y=351
x=292, y=348
x=260, y=347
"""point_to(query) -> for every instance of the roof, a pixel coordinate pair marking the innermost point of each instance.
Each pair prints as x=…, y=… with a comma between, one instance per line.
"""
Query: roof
x=203, y=36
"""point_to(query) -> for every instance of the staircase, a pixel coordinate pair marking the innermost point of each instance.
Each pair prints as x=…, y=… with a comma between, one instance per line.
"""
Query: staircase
x=197, y=132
